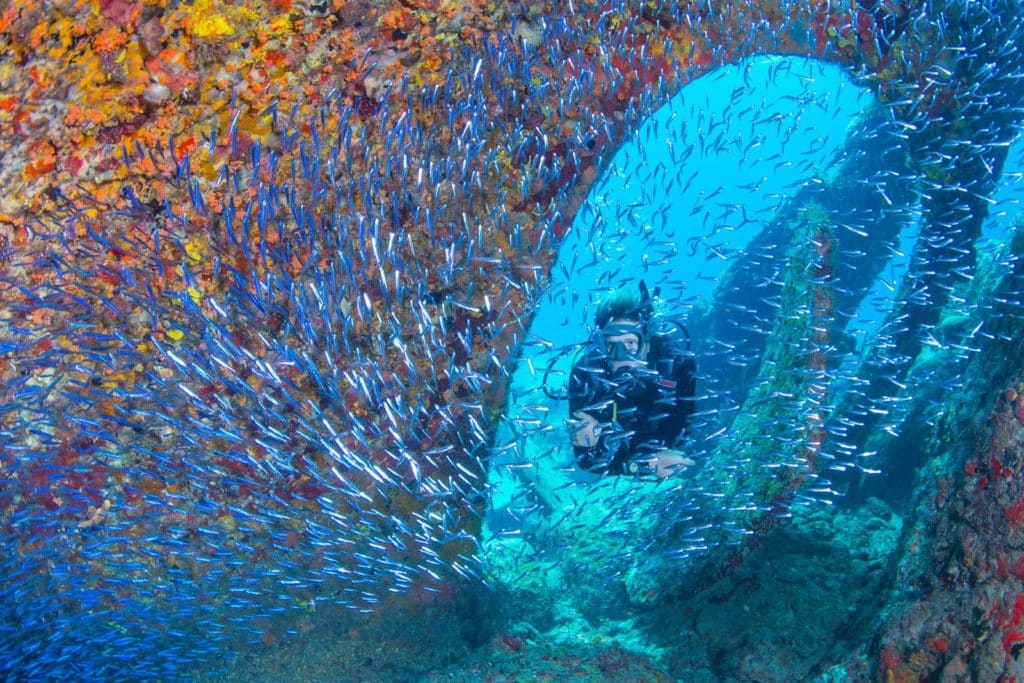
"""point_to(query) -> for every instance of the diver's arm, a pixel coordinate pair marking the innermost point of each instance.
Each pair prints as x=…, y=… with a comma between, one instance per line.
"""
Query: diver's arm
x=592, y=452
x=593, y=396
x=586, y=430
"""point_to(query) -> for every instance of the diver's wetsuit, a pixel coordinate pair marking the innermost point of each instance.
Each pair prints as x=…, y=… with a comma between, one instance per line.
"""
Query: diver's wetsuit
x=642, y=410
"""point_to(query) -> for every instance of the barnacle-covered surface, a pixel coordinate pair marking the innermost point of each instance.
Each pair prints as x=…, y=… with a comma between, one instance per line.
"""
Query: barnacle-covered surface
x=267, y=269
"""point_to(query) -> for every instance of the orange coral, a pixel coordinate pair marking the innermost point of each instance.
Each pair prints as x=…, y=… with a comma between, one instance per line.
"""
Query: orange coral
x=398, y=18
x=110, y=40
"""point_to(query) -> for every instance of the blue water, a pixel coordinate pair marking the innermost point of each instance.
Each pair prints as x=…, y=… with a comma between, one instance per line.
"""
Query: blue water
x=713, y=164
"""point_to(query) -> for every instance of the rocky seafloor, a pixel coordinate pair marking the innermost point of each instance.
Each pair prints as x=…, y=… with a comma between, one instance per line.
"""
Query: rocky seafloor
x=803, y=601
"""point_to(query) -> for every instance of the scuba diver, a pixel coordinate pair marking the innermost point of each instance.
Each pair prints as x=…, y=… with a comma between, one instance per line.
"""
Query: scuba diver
x=631, y=393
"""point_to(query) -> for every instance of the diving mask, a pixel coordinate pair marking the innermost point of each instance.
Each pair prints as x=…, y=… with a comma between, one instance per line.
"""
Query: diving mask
x=624, y=341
